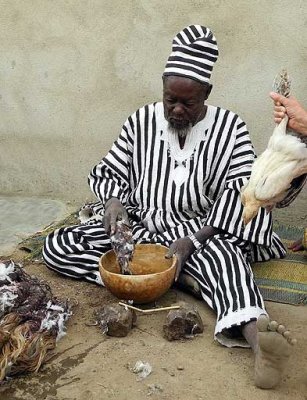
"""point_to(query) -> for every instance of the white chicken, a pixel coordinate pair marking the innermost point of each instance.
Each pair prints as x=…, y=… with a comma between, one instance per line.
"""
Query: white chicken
x=272, y=173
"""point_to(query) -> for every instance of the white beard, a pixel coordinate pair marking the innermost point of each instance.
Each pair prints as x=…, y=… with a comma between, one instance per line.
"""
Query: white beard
x=183, y=132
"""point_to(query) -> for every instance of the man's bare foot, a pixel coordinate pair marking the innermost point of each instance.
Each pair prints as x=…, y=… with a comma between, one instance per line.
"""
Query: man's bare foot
x=275, y=346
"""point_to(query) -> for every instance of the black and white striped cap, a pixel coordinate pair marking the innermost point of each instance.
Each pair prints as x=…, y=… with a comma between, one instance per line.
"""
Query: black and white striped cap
x=194, y=51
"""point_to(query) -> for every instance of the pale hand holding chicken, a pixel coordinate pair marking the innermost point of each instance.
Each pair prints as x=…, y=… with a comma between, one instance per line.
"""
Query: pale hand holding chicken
x=272, y=173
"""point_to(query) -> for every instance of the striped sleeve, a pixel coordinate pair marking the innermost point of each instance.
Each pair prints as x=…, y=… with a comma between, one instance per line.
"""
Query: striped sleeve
x=110, y=178
x=226, y=212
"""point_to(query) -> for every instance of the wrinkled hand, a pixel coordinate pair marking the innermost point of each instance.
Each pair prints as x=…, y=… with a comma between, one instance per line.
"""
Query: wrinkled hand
x=182, y=248
x=114, y=211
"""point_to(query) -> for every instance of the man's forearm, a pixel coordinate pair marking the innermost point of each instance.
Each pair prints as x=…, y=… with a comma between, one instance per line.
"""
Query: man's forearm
x=110, y=201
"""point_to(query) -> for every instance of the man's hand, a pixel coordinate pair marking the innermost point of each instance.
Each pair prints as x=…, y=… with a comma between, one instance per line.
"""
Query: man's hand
x=296, y=113
x=182, y=248
x=114, y=211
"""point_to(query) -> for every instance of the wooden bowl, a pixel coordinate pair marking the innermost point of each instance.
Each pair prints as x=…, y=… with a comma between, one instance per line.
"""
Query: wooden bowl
x=152, y=274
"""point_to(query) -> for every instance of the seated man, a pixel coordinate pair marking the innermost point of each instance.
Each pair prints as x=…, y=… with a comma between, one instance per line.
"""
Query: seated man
x=175, y=174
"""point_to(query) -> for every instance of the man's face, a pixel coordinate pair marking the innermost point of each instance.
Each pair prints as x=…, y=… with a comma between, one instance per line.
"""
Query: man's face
x=183, y=101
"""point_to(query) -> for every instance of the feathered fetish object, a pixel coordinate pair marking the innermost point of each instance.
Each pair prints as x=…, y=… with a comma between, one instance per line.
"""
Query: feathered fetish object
x=123, y=246
x=31, y=321
x=272, y=173
x=121, y=240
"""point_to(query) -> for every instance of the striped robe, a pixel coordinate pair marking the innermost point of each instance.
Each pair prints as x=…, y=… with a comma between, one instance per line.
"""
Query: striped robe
x=170, y=193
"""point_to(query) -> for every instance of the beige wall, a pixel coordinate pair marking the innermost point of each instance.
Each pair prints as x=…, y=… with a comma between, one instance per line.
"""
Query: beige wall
x=71, y=71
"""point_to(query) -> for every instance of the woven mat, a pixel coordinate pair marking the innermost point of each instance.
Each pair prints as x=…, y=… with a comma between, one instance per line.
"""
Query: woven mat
x=282, y=281
x=33, y=245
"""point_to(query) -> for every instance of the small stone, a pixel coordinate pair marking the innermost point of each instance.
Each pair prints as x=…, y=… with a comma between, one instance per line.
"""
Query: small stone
x=180, y=368
x=182, y=323
x=116, y=320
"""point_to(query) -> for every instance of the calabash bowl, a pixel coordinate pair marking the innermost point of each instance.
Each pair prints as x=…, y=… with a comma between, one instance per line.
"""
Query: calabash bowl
x=152, y=274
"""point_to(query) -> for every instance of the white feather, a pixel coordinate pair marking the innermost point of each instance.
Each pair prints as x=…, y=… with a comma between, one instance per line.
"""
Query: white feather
x=7, y=297
x=272, y=173
x=5, y=270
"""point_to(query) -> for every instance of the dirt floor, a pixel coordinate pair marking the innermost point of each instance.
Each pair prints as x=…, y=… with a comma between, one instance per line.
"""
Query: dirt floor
x=89, y=365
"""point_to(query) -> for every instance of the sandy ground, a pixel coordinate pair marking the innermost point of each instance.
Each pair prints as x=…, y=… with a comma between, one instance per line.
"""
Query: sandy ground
x=88, y=365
